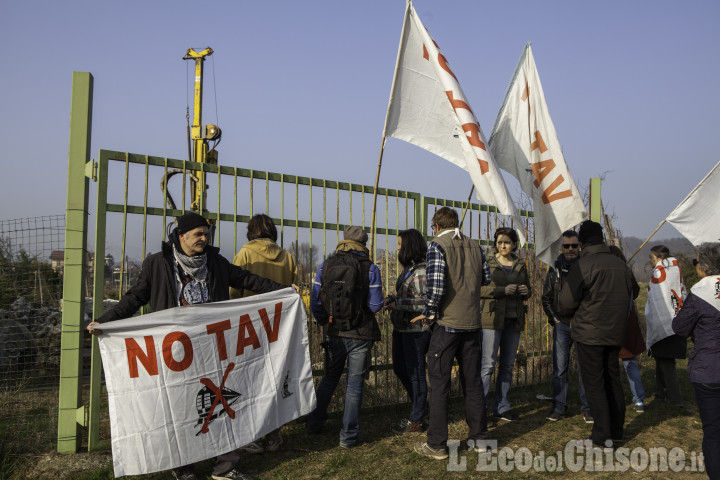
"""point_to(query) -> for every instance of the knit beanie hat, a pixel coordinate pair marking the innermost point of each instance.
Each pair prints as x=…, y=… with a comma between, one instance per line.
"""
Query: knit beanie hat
x=190, y=221
x=590, y=232
x=356, y=234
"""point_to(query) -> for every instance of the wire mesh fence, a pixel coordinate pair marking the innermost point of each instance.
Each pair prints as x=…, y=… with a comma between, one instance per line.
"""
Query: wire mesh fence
x=31, y=270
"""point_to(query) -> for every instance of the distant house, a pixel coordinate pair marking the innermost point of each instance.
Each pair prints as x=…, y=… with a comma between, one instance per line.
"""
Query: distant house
x=57, y=260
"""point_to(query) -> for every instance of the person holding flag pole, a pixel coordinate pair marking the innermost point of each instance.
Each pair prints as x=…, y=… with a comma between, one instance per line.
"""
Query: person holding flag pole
x=696, y=218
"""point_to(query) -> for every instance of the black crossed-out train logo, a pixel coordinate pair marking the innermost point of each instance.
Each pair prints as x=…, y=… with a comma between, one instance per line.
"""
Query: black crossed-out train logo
x=208, y=398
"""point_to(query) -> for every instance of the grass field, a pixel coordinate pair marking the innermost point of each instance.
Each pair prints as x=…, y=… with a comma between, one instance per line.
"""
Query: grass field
x=386, y=456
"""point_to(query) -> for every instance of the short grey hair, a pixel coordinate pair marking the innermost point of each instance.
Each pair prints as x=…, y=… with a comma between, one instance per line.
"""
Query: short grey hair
x=709, y=258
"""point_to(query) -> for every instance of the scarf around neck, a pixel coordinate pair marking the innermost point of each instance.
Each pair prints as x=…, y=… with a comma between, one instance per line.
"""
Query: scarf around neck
x=347, y=245
x=191, y=277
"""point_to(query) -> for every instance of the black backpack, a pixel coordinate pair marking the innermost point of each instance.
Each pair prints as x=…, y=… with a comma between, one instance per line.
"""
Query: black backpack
x=344, y=290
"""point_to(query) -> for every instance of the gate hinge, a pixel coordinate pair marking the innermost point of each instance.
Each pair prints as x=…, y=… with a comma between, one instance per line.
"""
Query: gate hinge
x=81, y=415
x=91, y=169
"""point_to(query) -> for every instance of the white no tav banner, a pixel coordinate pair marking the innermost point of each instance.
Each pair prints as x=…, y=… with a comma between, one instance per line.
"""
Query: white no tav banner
x=194, y=382
x=525, y=144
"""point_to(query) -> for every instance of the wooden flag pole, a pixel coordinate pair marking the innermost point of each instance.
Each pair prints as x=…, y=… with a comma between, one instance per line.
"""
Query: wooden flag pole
x=374, y=206
x=408, y=4
x=467, y=205
x=646, y=241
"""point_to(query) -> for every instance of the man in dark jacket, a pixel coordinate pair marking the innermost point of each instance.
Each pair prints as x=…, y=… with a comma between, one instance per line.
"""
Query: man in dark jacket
x=188, y=271
x=598, y=296
x=353, y=345
x=562, y=341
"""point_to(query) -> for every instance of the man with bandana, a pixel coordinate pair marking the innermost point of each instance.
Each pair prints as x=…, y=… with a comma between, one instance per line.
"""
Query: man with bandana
x=188, y=271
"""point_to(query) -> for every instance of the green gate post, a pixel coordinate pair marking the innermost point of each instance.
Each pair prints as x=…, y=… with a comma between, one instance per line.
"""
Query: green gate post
x=75, y=265
x=595, y=205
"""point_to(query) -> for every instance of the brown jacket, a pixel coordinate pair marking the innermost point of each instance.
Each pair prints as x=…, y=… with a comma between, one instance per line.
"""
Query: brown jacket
x=598, y=295
x=494, y=299
x=265, y=258
x=460, y=307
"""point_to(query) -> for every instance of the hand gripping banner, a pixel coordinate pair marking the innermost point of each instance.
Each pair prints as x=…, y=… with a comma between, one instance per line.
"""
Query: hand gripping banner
x=194, y=382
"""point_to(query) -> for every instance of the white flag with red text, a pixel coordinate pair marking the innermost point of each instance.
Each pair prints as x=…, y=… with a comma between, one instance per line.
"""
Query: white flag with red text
x=524, y=144
x=193, y=382
x=429, y=109
x=698, y=216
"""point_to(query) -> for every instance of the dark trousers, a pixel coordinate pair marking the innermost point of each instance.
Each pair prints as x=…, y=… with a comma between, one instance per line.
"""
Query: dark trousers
x=408, y=354
x=444, y=347
x=668, y=386
x=708, y=402
x=601, y=378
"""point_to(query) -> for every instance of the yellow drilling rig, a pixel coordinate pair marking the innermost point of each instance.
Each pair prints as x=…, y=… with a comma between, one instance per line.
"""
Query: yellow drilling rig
x=198, y=137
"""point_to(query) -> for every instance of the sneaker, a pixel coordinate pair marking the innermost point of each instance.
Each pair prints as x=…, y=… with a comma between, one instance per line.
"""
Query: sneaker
x=253, y=447
x=347, y=446
x=233, y=474
x=555, y=416
x=184, y=473
x=408, y=426
x=588, y=418
x=427, y=451
x=639, y=407
x=272, y=444
x=474, y=442
x=507, y=416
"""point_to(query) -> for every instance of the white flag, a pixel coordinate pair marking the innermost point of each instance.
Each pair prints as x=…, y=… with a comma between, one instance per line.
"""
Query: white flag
x=666, y=295
x=525, y=145
x=698, y=216
x=429, y=109
x=194, y=382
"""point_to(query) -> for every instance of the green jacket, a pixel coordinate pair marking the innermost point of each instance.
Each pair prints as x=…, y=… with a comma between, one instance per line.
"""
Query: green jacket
x=496, y=303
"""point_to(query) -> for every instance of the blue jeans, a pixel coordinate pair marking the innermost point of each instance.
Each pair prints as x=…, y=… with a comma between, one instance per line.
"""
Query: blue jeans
x=355, y=352
x=506, y=340
x=708, y=402
x=562, y=343
x=635, y=380
x=408, y=355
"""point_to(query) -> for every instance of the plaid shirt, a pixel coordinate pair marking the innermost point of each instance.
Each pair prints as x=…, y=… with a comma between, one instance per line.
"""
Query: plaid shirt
x=436, y=273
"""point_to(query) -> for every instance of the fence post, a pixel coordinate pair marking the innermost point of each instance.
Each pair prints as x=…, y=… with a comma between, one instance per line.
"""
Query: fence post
x=420, y=210
x=595, y=205
x=73, y=307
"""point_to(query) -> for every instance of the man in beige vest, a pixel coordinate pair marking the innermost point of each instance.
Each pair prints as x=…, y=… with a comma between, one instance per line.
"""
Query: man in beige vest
x=456, y=269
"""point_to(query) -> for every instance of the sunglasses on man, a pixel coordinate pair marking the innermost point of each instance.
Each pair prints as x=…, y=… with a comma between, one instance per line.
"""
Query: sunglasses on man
x=570, y=245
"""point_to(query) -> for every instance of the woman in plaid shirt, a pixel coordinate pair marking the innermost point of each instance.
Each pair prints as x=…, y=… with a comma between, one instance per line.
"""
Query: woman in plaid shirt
x=409, y=342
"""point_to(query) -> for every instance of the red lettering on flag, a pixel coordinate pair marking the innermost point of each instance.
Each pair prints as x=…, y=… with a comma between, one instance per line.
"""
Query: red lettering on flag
x=187, y=359
x=246, y=335
x=219, y=330
x=135, y=353
x=272, y=332
x=548, y=196
x=541, y=170
x=662, y=275
x=539, y=143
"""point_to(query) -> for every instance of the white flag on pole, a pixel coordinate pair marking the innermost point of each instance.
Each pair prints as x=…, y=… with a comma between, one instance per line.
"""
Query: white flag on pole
x=429, y=109
x=698, y=216
x=524, y=144
x=194, y=382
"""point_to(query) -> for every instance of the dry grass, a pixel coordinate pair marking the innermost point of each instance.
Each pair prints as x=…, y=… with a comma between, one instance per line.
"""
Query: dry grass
x=384, y=455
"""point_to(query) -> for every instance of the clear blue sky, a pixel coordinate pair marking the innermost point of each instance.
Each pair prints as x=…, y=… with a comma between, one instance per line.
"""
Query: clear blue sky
x=302, y=88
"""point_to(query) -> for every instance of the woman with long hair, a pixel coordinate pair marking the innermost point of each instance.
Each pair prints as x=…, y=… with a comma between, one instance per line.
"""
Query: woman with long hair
x=666, y=294
x=409, y=342
x=503, y=318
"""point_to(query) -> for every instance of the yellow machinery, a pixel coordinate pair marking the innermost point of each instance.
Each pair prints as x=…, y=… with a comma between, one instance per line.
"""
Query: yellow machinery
x=198, y=137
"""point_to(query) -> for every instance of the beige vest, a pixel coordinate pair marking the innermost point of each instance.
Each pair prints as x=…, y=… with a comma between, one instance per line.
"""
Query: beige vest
x=460, y=307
